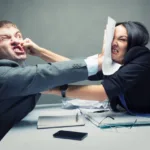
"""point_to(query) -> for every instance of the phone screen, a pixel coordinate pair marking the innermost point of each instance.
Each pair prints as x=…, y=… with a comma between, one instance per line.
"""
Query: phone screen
x=70, y=135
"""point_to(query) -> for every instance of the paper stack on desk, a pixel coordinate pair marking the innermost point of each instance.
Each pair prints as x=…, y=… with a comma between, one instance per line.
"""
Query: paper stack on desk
x=88, y=104
x=111, y=119
x=60, y=121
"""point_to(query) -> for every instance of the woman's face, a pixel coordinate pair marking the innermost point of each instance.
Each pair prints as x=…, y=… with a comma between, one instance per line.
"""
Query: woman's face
x=119, y=44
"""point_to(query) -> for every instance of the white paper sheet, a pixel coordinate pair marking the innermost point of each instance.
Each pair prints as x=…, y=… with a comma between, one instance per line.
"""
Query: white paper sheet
x=109, y=66
x=87, y=104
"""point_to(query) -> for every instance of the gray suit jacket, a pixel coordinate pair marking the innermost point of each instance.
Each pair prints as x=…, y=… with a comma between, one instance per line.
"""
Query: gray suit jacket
x=23, y=81
x=20, y=86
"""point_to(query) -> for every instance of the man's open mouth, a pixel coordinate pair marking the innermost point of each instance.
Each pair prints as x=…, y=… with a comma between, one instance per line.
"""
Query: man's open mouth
x=18, y=50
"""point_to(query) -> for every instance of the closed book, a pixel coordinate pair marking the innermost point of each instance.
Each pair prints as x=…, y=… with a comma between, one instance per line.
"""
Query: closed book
x=60, y=121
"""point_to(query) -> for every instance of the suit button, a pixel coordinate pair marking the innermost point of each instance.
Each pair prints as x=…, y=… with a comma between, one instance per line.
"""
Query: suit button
x=78, y=66
x=75, y=66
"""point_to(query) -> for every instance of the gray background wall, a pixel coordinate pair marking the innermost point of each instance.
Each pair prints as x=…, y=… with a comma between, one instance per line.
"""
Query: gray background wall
x=73, y=28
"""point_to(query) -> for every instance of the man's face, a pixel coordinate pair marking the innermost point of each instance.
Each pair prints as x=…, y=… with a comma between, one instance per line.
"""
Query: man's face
x=119, y=44
x=11, y=44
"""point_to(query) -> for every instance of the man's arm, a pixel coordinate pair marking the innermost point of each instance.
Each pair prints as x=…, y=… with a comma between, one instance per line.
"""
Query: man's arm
x=18, y=81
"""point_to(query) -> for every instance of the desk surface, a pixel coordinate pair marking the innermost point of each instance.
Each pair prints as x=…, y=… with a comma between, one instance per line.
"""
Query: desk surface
x=26, y=136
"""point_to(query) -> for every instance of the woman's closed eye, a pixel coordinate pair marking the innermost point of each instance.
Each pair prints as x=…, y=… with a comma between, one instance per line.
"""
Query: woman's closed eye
x=124, y=40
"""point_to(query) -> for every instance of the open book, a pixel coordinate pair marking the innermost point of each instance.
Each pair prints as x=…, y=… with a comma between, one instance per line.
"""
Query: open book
x=111, y=119
x=60, y=121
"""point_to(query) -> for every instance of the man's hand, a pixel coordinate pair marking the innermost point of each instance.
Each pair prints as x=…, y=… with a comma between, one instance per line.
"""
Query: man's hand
x=100, y=61
x=31, y=48
x=101, y=55
x=104, y=42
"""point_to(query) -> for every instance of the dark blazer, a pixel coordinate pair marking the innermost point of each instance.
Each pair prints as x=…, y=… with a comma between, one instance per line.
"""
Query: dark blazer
x=132, y=80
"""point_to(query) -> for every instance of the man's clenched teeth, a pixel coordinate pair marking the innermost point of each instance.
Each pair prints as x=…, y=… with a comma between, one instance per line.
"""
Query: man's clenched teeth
x=18, y=50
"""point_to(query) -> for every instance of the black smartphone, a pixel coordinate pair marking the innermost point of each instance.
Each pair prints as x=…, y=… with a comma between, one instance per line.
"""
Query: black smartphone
x=70, y=135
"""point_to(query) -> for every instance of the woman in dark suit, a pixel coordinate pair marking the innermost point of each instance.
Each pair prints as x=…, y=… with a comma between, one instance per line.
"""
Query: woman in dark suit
x=129, y=86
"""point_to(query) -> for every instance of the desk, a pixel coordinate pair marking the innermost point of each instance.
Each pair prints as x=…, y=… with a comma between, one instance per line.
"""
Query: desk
x=26, y=136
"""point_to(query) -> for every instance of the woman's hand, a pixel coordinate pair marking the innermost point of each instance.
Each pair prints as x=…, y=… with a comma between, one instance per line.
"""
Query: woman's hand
x=54, y=91
x=31, y=48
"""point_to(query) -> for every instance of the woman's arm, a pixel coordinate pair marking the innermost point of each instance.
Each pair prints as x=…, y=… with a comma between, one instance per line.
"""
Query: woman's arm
x=33, y=49
x=50, y=56
x=88, y=92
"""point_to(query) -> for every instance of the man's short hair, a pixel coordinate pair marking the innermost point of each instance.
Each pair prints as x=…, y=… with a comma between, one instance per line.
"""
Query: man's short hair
x=6, y=23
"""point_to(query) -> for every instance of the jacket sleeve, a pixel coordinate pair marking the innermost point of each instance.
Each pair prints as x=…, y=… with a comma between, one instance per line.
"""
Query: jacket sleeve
x=98, y=76
x=128, y=76
x=18, y=81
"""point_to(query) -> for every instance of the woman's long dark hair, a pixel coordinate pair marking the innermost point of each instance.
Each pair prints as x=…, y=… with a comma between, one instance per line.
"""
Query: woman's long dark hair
x=137, y=33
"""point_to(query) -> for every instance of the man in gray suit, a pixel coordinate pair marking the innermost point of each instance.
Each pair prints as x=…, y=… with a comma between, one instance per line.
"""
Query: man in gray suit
x=20, y=85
